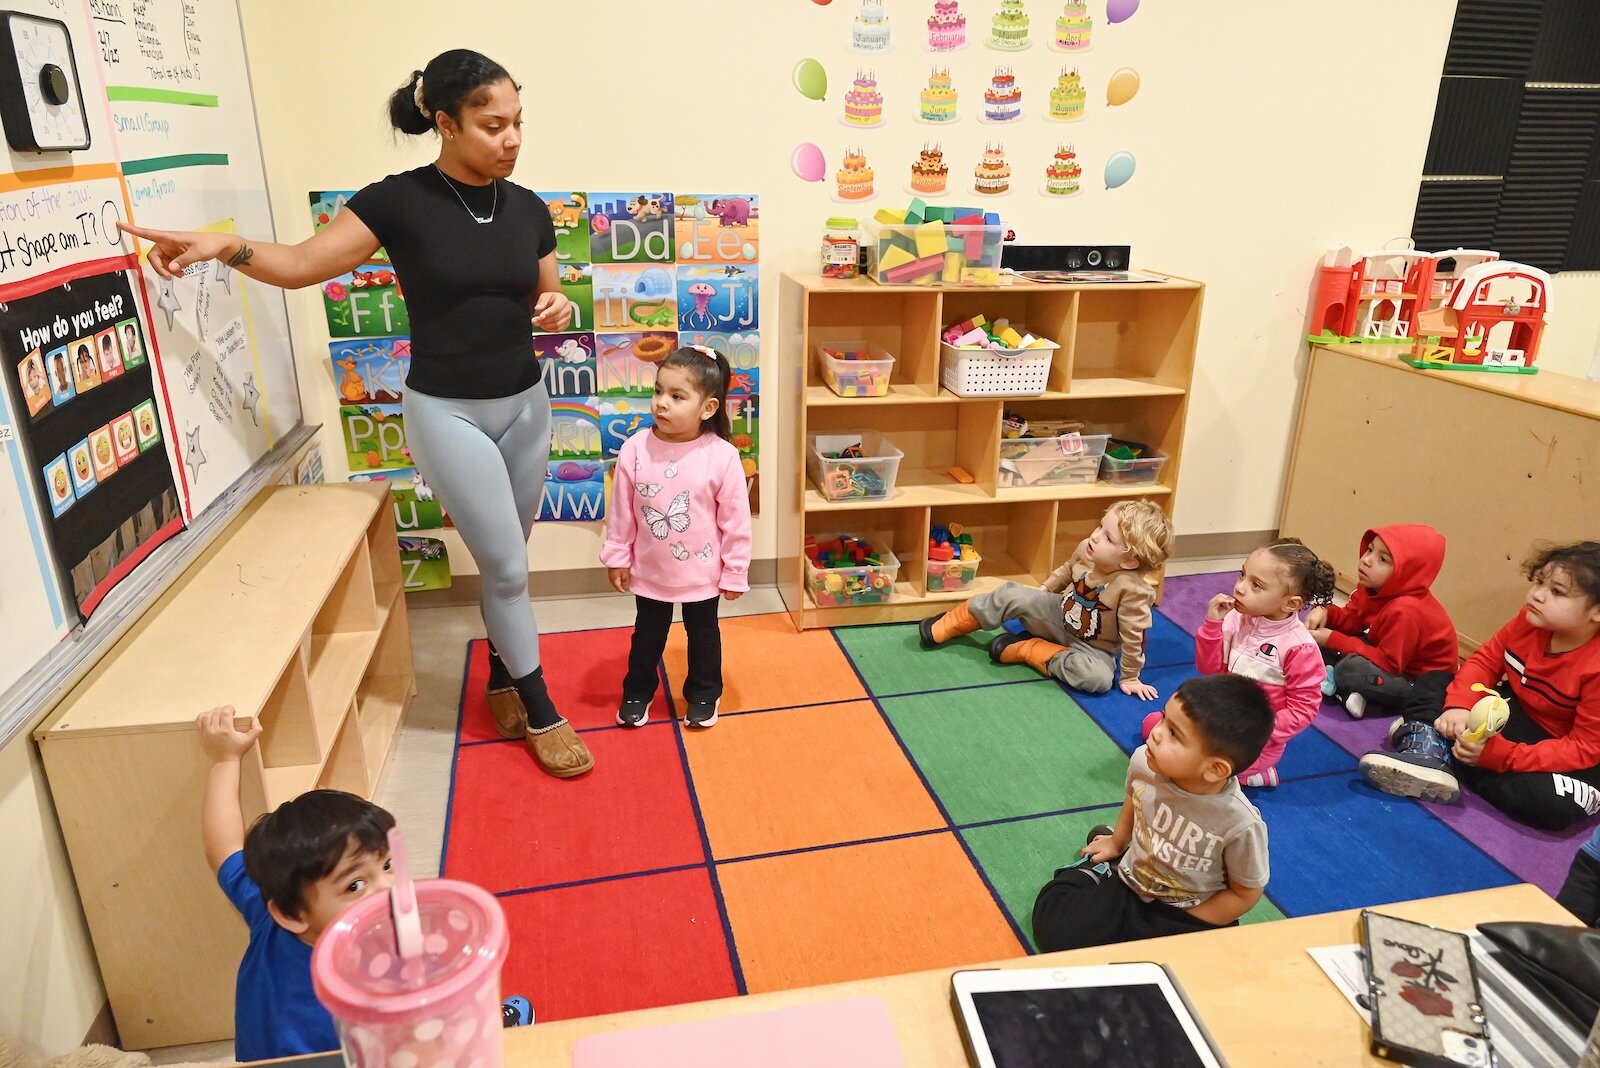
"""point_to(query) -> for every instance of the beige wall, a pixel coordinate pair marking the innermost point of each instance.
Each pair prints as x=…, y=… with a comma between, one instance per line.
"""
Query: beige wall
x=1259, y=146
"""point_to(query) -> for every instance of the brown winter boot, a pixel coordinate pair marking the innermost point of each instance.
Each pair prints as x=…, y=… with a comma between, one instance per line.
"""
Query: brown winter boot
x=1035, y=652
x=936, y=630
x=510, y=717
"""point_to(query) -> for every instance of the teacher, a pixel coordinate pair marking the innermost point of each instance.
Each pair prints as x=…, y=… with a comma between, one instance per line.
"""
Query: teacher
x=475, y=256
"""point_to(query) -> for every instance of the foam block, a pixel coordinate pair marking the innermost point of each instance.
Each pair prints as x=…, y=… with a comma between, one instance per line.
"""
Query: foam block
x=926, y=268
x=980, y=276
x=890, y=216
x=931, y=240
x=953, y=262
x=893, y=257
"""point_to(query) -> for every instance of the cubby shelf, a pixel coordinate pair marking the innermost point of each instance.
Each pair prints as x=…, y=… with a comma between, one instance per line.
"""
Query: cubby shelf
x=1125, y=360
x=305, y=630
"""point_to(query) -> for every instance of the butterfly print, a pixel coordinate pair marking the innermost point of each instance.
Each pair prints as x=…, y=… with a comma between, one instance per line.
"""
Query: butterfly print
x=676, y=517
x=704, y=554
x=678, y=551
x=671, y=470
x=648, y=489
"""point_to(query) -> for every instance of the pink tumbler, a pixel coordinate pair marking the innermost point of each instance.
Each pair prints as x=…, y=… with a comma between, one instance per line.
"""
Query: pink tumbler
x=437, y=1005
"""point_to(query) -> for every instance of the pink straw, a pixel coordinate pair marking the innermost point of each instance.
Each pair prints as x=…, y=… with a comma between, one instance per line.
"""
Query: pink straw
x=403, y=900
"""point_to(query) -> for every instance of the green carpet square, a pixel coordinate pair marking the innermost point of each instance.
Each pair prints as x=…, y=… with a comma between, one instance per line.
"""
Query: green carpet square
x=892, y=661
x=1022, y=855
x=1264, y=911
x=1006, y=751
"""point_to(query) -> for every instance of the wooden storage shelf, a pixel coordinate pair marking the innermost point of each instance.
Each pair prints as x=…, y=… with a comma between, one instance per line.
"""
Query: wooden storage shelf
x=1124, y=360
x=294, y=615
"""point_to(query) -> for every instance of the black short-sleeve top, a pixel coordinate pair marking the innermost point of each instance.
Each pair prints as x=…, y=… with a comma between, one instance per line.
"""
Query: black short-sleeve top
x=467, y=284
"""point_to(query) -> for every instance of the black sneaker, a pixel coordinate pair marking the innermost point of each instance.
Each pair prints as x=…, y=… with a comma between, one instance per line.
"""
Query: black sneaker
x=633, y=713
x=1099, y=870
x=701, y=713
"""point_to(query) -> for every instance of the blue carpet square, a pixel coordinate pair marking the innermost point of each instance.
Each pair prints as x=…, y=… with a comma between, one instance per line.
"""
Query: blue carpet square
x=1167, y=645
x=1309, y=753
x=1336, y=843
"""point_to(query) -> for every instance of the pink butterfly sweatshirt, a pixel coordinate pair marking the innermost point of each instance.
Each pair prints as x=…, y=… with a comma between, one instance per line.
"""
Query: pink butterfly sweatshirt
x=680, y=518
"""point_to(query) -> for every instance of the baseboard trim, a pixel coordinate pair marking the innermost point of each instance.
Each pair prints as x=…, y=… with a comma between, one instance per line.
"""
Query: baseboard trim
x=1222, y=543
x=555, y=585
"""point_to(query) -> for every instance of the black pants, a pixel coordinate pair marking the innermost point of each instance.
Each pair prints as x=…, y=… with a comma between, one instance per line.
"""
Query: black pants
x=1548, y=800
x=652, y=620
x=1075, y=909
x=1354, y=673
x=1580, y=894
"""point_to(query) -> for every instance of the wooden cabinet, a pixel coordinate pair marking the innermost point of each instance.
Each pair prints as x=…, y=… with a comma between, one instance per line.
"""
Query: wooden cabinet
x=294, y=615
x=1124, y=361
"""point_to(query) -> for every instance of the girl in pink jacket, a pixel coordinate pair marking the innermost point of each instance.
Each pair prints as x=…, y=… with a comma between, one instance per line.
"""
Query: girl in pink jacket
x=1256, y=632
x=679, y=531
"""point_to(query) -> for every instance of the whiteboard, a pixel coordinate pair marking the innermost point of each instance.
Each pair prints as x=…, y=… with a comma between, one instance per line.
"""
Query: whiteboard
x=173, y=144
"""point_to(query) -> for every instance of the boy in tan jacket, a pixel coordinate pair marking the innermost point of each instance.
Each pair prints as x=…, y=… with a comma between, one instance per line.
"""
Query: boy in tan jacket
x=1091, y=608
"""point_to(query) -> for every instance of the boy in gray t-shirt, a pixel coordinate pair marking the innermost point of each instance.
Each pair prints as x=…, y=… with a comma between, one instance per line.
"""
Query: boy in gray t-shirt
x=1193, y=849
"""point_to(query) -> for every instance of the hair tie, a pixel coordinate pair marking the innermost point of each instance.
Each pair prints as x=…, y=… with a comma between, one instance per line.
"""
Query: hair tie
x=416, y=94
x=706, y=351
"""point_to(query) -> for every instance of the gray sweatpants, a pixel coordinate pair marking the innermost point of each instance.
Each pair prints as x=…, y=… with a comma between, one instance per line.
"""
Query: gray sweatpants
x=1079, y=665
x=485, y=462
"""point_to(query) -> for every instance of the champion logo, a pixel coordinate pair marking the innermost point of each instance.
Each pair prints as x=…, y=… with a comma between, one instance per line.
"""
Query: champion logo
x=1268, y=649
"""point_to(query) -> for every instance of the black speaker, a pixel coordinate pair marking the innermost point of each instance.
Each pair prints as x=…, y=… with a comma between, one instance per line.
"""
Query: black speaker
x=1066, y=257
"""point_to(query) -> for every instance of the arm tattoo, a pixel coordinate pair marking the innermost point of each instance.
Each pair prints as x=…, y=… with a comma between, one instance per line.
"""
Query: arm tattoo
x=242, y=257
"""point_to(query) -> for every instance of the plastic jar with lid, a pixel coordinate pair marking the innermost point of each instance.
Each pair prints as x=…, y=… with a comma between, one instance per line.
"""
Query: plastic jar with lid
x=841, y=248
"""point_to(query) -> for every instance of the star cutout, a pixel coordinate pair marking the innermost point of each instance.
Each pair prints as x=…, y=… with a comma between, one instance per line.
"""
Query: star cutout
x=193, y=455
x=251, y=400
x=225, y=275
x=168, y=301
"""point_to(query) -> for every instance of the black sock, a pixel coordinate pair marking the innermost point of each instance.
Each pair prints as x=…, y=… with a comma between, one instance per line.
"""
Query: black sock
x=536, y=699
x=499, y=677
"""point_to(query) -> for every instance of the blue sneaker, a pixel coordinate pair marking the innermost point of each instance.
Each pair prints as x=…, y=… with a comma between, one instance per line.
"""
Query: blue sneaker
x=1100, y=870
x=1419, y=766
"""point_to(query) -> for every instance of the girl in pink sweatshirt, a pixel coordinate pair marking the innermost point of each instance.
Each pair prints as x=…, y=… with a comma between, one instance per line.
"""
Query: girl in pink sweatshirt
x=1256, y=632
x=679, y=531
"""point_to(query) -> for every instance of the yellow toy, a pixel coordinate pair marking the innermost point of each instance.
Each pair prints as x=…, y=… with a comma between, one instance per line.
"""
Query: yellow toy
x=1488, y=715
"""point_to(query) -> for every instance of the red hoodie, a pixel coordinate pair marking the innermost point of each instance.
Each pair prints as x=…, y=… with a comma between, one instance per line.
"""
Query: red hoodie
x=1407, y=629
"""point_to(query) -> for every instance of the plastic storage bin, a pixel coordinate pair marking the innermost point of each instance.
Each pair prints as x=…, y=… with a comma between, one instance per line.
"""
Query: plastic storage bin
x=995, y=372
x=948, y=576
x=847, y=587
x=1146, y=467
x=957, y=254
x=867, y=376
x=868, y=477
x=1067, y=460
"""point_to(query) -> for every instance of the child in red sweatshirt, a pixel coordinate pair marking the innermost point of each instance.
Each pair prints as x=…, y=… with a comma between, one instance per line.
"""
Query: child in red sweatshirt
x=1543, y=768
x=1393, y=629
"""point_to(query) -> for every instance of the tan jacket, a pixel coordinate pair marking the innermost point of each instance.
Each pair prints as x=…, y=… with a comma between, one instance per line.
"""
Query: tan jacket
x=1112, y=616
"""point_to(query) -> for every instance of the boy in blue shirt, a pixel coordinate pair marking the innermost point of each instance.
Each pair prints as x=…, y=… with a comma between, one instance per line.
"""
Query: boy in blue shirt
x=299, y=867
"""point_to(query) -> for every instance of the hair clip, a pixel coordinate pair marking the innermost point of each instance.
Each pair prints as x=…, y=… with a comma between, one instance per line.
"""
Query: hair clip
x=706, y=351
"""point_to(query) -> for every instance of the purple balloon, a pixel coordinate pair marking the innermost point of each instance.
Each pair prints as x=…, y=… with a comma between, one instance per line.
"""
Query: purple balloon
x=808, y=163
x=1121, y=10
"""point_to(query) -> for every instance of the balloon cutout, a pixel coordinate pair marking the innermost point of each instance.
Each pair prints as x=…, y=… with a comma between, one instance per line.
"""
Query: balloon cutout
x=1119, y=168
x=810, y=79
x=1123, y=87
x=1121, y=10
x=808, y=163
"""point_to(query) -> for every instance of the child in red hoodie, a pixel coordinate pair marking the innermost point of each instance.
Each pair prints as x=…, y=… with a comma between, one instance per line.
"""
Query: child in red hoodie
x=1393, y=629
x=1543, y=768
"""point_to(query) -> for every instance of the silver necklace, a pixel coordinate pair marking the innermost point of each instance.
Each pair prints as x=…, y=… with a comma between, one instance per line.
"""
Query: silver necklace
x=493, y=207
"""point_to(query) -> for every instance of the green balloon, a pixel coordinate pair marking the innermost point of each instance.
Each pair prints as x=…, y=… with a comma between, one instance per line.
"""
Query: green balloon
x=810, y=79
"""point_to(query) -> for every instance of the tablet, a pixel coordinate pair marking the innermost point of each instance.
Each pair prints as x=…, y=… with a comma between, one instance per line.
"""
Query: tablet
x=1102, y=1016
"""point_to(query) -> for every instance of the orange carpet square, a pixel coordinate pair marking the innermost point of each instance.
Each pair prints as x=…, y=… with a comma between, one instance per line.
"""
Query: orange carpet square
x=775, y=781
x=854, y=912
x=512, y=826
x=617, y=945
x=583, y=670
x=766, y=663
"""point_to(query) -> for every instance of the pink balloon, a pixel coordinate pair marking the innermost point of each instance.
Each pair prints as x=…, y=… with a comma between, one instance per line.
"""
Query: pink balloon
x=808, y=163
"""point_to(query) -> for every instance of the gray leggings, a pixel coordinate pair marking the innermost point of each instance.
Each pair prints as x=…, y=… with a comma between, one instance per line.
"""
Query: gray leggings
x=485, y=462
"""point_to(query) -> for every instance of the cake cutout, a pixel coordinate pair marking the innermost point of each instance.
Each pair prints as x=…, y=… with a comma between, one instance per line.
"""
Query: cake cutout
x=869, y=32
x=854, y=180
x=1008, y=30
x=947, y=27
x=1063, y=175
x=1073, y=26
x=938, y=101
x=1002, y=101
x=993, y=174
x=930, y=174
x=1068, y=98
x=863, y=103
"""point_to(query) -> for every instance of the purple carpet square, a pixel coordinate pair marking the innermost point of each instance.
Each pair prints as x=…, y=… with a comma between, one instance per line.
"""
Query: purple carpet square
x=1184, y=597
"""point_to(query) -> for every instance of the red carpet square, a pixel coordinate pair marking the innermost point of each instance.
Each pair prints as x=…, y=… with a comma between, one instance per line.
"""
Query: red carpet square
x=775, y=781
x=855, y=912
x=583, y=670
x=513, y=827
x=766, y=663
x=617, y=945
